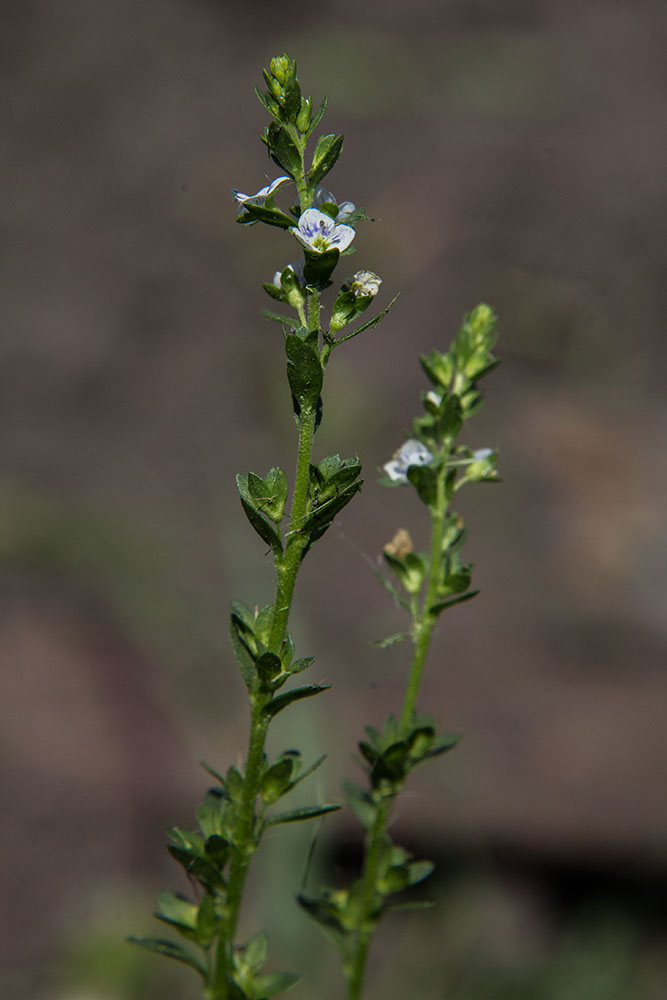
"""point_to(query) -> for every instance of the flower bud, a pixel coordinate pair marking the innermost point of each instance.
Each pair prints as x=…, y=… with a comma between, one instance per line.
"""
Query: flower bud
x=303, y=118
x=282, y=69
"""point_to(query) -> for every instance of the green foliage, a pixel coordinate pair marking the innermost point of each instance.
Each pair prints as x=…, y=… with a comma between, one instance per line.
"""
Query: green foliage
x=392, y=753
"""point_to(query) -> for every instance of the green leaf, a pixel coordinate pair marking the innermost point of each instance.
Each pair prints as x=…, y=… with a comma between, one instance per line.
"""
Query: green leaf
x=436, y=609
x=298, y=665
x=277, y=780
x=322, y=517
x=269, y=495
x=366, y=326
x=451, y=419
x=309, y=770
x=250, y=505
x=360, y=802
x=282, y=150
x=214, y=774
x=171, y=950
x=418, y=871
x=263, y=101
x=327, y=151
x=287, y=321
x=251, y=214
x=319, y=267
x=424, y=479
x=327, y=913
x=275, y=292
x=444, y=744
x=177, y=910
x=291, y=102
x=317, y=117
x=268, y=667
x=390, y=640
x=256, y=951
x=298, y=815
x=304, y=371
x=209, y=812
x=241, y=637
x=272, y=983
x=217, y=849
x=283, y=700
x=190, y=852
x=412, y=904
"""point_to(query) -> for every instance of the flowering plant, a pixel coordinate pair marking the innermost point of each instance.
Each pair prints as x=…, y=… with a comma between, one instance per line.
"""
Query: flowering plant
x=246, y=801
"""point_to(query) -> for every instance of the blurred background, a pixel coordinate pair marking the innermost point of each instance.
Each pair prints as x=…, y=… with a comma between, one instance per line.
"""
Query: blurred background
x=511, y=151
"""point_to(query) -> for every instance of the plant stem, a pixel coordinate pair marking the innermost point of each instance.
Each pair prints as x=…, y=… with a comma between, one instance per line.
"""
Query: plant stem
x=356, y=968
x=424, y=626
x=287, y=568
x=245, y=839
x=291, y=560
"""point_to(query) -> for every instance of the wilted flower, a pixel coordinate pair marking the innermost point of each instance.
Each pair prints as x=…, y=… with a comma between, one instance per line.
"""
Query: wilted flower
x=413, y=452
x=365, y=283
x=400, y=545
x=261, y=196
x=318, y=232
x=323, y=196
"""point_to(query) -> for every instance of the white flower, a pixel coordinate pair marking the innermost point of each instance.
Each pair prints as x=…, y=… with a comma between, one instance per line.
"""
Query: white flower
x=261, y=196
x=434, y=397
x=482, y=454
x=318, y=232
x=413, y=452
x=324, y=197
x=365, y=283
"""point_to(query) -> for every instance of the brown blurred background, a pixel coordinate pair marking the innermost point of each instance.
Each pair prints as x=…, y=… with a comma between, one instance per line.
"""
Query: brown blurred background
x=511, y=152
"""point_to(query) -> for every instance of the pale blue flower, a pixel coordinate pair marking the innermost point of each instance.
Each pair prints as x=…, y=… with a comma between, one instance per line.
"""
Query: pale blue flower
x=413, y=452
x=324, y=197
x=482, y=454
x=261, y=196
x=318, y=232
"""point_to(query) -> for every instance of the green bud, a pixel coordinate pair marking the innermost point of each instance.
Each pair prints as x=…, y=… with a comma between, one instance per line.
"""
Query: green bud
x=282, y=69
x=482, y=319
x=275, y=87
x=303, y=118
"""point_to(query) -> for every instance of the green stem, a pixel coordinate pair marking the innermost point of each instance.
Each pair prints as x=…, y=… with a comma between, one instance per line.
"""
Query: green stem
x=294, y=544
x=355, y=969
x=426, y=622
x=246, y=836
